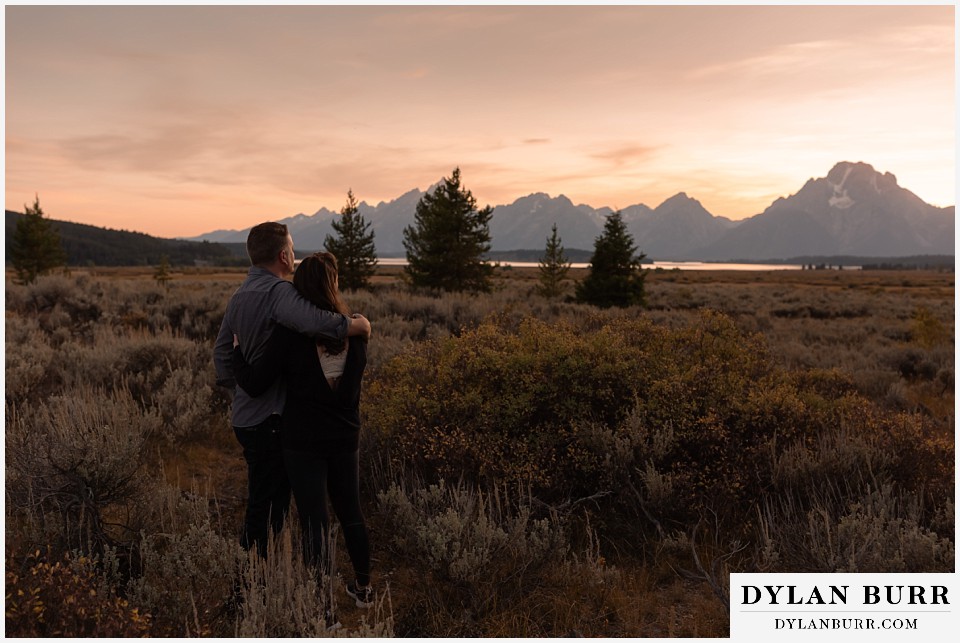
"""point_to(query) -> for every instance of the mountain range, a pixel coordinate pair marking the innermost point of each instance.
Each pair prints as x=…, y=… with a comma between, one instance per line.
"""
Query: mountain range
x=852, y=216
x=853, y=210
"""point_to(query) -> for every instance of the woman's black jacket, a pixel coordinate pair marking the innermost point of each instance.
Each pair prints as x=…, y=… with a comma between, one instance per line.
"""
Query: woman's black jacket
x=315, y=417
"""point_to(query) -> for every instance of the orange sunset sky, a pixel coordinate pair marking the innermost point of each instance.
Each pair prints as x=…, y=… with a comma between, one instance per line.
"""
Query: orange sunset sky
x=180, y=120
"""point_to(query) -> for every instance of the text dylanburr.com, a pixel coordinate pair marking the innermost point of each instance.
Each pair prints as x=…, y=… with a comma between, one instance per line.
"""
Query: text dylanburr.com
x=844, y=607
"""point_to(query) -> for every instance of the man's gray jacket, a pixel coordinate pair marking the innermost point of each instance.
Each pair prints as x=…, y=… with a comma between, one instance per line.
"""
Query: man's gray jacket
x=261, y=301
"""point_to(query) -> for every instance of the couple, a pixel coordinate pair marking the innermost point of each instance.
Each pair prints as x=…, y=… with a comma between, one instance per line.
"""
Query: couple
x=295, y=356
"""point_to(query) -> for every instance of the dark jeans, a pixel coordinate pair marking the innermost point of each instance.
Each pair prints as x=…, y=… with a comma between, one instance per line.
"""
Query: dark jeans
x=268, y=490
x=313, y=478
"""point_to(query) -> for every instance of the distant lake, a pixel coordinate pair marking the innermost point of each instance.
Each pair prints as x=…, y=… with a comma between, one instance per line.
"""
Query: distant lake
x=666, y=265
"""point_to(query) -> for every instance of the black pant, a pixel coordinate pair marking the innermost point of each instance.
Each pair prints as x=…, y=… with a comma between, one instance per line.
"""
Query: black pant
x=313, y=477
x=268, y=490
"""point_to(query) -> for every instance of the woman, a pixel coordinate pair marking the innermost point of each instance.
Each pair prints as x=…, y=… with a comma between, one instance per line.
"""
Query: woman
x=320, y=427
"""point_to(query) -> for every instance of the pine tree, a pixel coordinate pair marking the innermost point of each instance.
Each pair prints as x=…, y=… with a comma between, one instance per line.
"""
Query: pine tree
x=35, y=247
x=616, y=277
x=446, y=244
x=353, y=247
x=162, y=274
x=553, y=267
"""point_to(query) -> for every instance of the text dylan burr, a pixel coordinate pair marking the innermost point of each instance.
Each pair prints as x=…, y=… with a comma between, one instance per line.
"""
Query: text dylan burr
x=838, y=594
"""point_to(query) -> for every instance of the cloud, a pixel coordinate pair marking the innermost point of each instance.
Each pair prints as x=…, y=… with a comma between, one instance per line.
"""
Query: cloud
x=602, y=104
x=162, y=151
x=855, y=58
x=415, y=74
x=443, y=19
x=933, y=39
x=779, y=60
x=624, y=154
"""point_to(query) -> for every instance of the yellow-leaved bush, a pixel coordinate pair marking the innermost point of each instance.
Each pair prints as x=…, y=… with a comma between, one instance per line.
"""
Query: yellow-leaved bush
x=679, y=420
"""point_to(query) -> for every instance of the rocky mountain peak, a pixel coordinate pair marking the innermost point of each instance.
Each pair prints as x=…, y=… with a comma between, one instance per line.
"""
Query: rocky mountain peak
x=846, y=171
x=535, y=198
x=680, y=199
x=853, y=182
x=682, y=205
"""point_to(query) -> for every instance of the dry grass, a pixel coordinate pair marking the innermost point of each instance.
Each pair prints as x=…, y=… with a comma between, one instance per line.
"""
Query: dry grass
x=891, y=334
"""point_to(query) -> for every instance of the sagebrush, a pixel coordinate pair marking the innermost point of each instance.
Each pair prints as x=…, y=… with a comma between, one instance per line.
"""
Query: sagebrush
x=521, y=454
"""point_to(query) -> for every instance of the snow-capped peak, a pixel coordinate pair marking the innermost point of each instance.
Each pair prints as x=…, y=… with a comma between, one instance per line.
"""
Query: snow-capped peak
x=840, y=199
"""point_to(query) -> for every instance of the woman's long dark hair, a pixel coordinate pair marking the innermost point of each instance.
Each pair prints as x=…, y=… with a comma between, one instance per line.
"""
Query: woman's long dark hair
x=316, y=279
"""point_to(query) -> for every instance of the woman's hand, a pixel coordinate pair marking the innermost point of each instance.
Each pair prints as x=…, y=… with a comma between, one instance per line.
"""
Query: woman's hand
x=359, y=326
x=236, y=340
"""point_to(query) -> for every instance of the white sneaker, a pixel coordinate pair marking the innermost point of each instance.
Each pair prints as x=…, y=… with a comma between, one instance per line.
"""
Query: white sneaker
x=362, y=595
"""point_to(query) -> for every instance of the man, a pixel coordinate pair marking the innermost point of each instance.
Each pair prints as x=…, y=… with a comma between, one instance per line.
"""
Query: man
x=266, y=298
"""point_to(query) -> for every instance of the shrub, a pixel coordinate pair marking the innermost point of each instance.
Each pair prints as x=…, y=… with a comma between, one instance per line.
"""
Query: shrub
x=832, y=458
x=64, y=294
x=927, y=330
x=65, y=599
x=29, y=361
x=912, y=364
x=71, y=460
x=882, y=533
x=186, y=402
x=696, y=417
x=503, y=405
x=187, y=567
x=879, y=531
x=137, y=362
x=469, y=536
x=572, y=410
x=195, y=315
x=479, y=550
x=283, y=597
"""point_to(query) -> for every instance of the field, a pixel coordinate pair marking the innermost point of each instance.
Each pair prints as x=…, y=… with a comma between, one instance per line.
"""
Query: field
x=530, y=467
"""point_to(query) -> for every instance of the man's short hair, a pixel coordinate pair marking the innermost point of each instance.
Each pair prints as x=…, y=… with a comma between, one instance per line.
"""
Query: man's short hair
x=265, y=242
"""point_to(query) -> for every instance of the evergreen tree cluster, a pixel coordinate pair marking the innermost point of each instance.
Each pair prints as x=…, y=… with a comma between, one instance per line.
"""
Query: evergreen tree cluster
x=450, y=237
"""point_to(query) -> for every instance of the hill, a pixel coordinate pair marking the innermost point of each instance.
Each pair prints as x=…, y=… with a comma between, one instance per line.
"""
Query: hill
x=89, y=245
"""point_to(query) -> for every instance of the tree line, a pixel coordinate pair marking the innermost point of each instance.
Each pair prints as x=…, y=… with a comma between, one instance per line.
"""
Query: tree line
x=450, y=236
x=36, y=245
x=445, y=249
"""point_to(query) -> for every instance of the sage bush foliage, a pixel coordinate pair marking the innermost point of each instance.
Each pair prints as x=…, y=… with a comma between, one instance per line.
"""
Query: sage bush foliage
x=467, y=536
x=835, y=531
x=571, y=409
x=520, y=455
x=670, y=422
x=186, y=562
x=72, y=459
x=475, y=550
x=282, y=597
